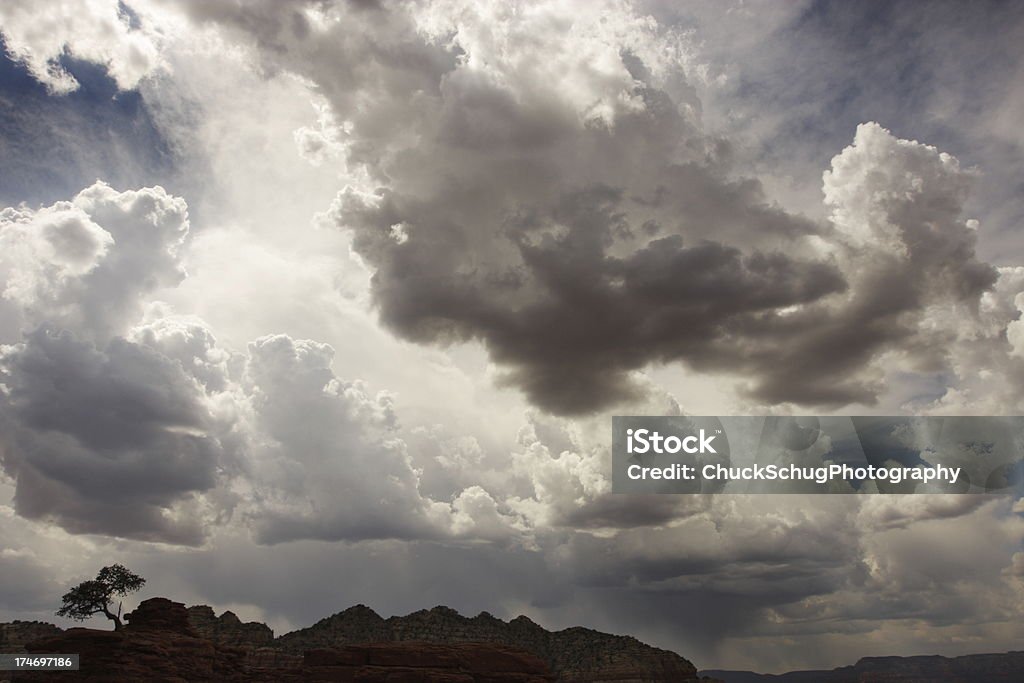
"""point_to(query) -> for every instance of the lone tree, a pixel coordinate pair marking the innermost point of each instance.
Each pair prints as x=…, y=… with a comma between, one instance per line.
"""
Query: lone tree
x=94, y=597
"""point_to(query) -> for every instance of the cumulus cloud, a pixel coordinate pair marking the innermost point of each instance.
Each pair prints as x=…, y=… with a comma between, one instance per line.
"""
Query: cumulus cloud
x=573, y=216
x=573, y=270
x=190, y=343
x=120, y=417
x=102, y=434
x=562, y=470
x=102, y=31
x=59, y=264
x=907, y=253
x=104, y=441
x=329, y=464
x=985, y=370
x=330, y=468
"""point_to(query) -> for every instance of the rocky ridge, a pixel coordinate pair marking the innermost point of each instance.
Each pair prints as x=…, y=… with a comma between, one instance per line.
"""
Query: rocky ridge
x=165, y=641
x=228, y=629
x=160, y=644
x=577, y=655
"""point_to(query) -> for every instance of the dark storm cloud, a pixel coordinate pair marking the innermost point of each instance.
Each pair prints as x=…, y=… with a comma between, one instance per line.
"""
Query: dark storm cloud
x=102, y=433
x=571, y=319
x=619, y=511
x=571, y=296
x=104, y=441
x=782, y=555
x=571, y=214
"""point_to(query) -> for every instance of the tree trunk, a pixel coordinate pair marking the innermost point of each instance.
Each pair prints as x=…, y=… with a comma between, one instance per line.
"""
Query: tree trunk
x=114, y=618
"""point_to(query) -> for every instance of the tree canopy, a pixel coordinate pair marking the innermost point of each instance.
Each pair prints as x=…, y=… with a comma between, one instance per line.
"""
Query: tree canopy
x=94, y=596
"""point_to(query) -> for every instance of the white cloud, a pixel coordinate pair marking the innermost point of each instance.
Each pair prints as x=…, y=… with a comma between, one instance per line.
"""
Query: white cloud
x=121, y=417
x=92, y=263
x=99, y=31
x=102, y=434
x=326, y=464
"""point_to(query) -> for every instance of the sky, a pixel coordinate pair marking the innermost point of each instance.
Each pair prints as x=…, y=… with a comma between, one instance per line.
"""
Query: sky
x=313, y=303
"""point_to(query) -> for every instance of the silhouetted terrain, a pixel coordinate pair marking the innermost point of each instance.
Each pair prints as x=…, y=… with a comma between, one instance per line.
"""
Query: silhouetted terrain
x=573, y=654
x=165, y=641
x=159, y=644
x=984, y=668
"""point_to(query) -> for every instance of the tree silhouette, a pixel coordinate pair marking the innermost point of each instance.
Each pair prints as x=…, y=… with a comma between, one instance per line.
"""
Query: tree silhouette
x=94, y=597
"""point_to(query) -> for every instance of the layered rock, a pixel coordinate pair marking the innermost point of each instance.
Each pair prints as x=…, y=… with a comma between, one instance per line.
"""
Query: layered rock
x=160, y=614
x=228, y=629
x=576, y=655
x=157, y=644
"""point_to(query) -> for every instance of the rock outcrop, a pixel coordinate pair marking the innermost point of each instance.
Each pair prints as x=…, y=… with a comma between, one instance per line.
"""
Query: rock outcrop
x=228, y=629
x=162, y=640
x=160, y=614
x=14, y=635
x=358, y=624
x=157, y=644
x=160, y=644
x=576, y=655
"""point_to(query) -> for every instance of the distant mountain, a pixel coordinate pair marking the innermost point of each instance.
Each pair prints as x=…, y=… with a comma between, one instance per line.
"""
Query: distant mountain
x=984, y=668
